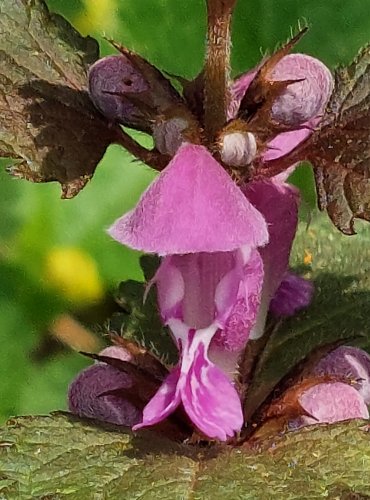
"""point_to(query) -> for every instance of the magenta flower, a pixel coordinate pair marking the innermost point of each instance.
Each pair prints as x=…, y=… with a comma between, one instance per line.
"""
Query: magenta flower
x=225, y=247
x=211, y=286
x=209, y=282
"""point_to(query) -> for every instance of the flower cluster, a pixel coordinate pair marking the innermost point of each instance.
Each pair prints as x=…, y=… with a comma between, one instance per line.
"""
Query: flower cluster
x=224, y=245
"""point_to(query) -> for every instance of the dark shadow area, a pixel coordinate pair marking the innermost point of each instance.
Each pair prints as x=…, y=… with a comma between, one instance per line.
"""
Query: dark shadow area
x=139, y=319
x=145, y=442
x=69, y=136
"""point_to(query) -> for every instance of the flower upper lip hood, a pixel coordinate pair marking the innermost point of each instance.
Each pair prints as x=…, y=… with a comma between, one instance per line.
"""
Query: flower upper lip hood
x=193, y=206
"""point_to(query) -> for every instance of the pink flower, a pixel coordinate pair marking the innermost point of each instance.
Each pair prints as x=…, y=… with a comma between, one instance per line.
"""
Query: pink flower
x=225, y=249
x=211, y=279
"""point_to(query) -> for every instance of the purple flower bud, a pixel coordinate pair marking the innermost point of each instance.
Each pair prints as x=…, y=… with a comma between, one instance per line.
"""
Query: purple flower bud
x=129, y=90
x=111, y=82
x=351, y=363
x=168, y=134
x=303, y=100
x=294, y=293
x=87, y=398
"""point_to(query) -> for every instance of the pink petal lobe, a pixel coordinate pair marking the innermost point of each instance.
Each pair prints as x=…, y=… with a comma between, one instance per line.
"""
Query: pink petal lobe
x=305, y=99
x=350, y=362
x=333, y=402
x=210, y=399
x=285, y=142
x=171, y=289
x=243, y=306
x=193, y=206
x=164, y=402
x=237, y=91
x=200, y=386
x=294, y=293
x=300, y=106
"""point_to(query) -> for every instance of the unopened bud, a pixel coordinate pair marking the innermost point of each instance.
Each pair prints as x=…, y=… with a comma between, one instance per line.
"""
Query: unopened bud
x=307, y=97
x=168, y=135
x=238, y=148
x=129, y=90
x=112, y=80
x=95, y=393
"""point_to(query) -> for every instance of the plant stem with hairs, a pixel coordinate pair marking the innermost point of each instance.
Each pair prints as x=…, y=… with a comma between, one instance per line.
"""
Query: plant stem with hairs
x=217, y=65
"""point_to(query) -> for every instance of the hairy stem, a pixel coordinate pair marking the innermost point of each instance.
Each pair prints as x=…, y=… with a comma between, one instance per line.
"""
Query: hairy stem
x=217, y=65
x=153, y=158
x=279, y=165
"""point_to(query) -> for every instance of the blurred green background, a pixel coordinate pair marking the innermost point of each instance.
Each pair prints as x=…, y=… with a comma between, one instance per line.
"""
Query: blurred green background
x=55, y=258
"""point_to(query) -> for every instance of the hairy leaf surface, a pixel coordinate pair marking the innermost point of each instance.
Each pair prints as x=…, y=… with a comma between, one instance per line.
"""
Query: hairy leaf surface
x=60, y=457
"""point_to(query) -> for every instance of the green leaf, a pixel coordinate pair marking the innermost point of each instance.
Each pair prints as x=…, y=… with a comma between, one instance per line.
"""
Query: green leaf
x=140, y=320
x=340, y=309
x=47, y=121
x=60, y=457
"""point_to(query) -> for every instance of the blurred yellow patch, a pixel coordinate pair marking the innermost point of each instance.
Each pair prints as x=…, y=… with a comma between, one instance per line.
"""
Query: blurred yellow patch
x=307, y=259
x=74, y=273
x=97, y=15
